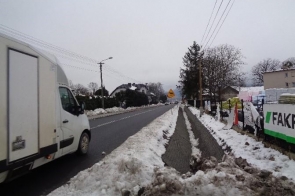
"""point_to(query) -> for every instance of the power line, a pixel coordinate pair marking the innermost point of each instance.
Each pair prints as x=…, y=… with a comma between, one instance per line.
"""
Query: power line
x=208, y=22
x=218, y=23
x=57, y=50
x=44, y=44
x=222, y=23
x=76, y=67
x=90, y=70
x=213, y=20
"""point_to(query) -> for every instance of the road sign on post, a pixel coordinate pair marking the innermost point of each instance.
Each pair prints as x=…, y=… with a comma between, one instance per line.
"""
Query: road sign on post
x=170, y=94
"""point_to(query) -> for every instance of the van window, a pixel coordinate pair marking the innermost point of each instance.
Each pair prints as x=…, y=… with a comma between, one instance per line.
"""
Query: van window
x=67, y=100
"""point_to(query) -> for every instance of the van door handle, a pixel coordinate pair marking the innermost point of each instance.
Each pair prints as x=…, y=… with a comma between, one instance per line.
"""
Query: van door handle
x=65, y=121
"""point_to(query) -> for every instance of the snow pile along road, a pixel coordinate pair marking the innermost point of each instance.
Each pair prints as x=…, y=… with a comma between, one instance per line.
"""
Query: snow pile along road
x=248, y=148
x=115, y=109
x=136, y=168
x=130, y=166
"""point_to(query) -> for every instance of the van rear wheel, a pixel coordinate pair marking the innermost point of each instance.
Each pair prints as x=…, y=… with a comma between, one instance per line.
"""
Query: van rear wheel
x=83, y=144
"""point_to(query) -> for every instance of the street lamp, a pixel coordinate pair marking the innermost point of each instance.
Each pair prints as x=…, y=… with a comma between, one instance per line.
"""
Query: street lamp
x=101, y=84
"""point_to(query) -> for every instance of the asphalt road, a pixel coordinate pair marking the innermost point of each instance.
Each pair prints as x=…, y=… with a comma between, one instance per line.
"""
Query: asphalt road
x=107, y=134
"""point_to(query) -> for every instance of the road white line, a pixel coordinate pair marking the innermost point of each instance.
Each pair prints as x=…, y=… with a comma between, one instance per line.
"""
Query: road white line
x=121, y=119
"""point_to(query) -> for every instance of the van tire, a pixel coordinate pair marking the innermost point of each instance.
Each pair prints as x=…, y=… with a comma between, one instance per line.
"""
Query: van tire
x=83, y=144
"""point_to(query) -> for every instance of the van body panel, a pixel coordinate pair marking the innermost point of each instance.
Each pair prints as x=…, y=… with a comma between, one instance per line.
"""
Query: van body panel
x=3, y=100
x=47, y=107
x=32, y=128
x=23, y=115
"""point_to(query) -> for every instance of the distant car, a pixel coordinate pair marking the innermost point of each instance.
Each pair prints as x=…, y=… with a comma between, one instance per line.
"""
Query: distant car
x=176, y=102
x=167, y=103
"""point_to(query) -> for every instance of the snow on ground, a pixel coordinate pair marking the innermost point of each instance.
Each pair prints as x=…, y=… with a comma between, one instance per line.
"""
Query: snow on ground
x=136, y=166
x=255, y=153
x=95, y=112
x=196, y=153
x=114, y=110
x=130, y=166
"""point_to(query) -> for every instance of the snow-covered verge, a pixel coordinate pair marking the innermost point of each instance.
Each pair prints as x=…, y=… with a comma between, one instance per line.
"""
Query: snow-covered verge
x=136, y=168
x=114, y=110
x=248, y=148
x=128, y=167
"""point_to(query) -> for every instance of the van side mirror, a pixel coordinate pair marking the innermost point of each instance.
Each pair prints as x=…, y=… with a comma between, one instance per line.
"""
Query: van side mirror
x=82, y=105
x=81, y=108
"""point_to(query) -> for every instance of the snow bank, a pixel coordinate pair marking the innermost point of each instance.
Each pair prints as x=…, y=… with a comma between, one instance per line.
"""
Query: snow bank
x=248, y=148
x=95, y=112
x=114, y=109
x=130, y=166
x=136, y=167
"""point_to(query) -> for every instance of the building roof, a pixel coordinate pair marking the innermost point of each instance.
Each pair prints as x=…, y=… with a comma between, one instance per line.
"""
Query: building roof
x=279, y=70
x=230, y=87
x=130, y=86
x=248, y=89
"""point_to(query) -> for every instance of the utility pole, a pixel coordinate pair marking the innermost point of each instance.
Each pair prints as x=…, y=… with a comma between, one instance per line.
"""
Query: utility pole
x=200, y=83
x=101, y=84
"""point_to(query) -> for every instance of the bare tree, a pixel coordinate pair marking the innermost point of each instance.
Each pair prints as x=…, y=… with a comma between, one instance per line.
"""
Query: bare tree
x=71, y=85
x=262, y=67
x=157, y=89
x=289, y=63
x=221, y=67
x=93, y=87
x=80, y=89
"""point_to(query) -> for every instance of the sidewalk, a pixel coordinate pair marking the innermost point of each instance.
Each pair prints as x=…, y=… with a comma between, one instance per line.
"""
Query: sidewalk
x=179, y=150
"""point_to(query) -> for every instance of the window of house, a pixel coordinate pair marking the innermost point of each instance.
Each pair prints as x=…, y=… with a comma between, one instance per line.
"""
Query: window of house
x=287, y=85
x=142, y=91
x=293, y=84
x=286, y=75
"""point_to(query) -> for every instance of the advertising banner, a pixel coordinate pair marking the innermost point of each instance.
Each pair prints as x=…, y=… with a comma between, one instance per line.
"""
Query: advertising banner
x=279, y=121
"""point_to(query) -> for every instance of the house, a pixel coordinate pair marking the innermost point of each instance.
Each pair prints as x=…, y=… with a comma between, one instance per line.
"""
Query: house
x=152, y=97
x=282, y=78
x=228, y=92
x=137, y=87
x=253, y=93
x=245, y=93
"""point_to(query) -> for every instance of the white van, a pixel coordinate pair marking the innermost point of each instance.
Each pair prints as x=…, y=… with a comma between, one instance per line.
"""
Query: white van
x=40, y=119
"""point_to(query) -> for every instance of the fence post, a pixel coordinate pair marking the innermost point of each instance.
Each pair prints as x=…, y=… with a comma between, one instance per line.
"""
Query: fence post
x=229, y=106
x=221, y=112
x=242, y=101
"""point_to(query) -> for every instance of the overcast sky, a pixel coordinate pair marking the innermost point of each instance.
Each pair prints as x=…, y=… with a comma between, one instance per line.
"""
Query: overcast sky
x=147, y=39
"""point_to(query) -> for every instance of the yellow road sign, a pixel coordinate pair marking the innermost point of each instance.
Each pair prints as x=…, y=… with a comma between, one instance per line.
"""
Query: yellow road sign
x=170, y=94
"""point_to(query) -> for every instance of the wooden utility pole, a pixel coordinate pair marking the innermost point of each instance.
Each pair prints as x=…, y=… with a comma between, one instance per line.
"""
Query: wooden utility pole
x=101, y=85
x=200, y=83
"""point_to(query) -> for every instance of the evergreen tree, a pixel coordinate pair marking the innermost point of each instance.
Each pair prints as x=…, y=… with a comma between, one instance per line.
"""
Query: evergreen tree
x=105, y=92
x=189, y=75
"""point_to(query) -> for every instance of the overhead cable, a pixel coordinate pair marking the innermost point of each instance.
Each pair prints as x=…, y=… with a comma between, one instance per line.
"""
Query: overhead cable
x=208, y=22
x=222, y=23
x=60, y=51
x=213, y=20
x=217, y=23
